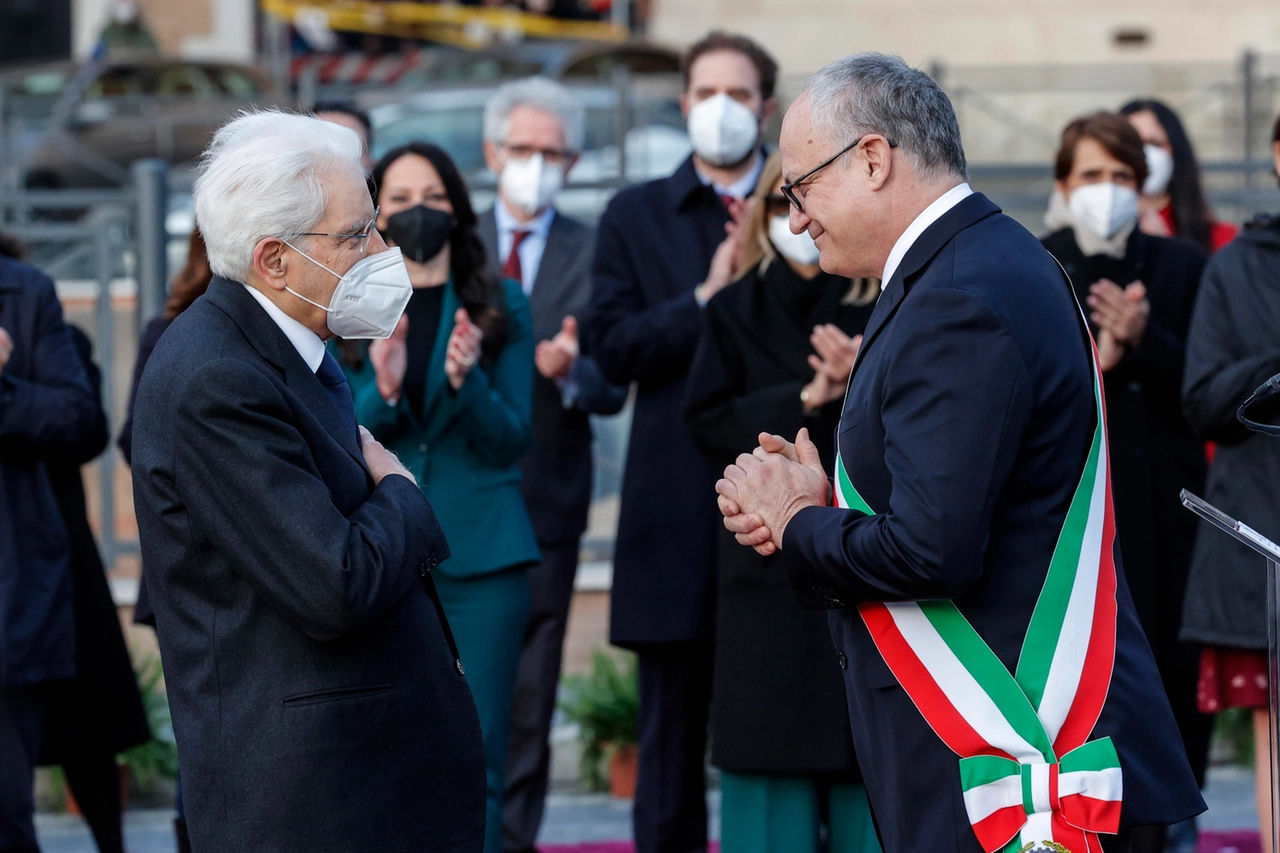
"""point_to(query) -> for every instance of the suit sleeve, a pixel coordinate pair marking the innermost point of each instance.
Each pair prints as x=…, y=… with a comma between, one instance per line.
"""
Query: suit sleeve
x=723, y=417
x=495, y=407
x=93, y=440
x=951, y=436
x=1220, y=372
x=596, y=395
x=53, y=409
x=631, y=340
x=150, y=337
x=251, y=486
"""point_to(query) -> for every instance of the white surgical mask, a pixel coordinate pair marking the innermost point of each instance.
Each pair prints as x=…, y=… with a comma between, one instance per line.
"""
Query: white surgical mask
x=1105, y=209
x=723, y=131
x=369, y=299
x=1159, y=170
x=797, y=248
x=530, y=185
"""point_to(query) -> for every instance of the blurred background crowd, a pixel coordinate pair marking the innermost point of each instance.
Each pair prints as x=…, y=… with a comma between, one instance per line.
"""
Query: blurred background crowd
x=613, y=164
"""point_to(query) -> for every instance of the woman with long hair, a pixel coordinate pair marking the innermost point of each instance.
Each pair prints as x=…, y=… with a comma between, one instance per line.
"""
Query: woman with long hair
x=775, y=353
x=1173, y=198
x=451, y=393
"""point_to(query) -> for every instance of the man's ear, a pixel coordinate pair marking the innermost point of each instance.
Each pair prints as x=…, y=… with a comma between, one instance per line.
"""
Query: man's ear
x=271, y=262
x=491, y=158
x=767, y=110
x=685, y=104
x=877, y=160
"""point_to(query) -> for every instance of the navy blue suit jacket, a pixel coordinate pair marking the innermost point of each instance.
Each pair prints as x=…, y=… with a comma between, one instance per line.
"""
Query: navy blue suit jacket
x=653, y=248
x=966, y=426
x=316, y=695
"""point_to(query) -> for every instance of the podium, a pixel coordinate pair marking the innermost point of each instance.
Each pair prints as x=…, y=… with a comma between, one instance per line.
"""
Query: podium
x=1269, y=551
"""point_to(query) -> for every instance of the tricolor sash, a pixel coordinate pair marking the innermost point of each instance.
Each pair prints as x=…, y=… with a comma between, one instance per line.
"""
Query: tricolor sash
x=1028, y=776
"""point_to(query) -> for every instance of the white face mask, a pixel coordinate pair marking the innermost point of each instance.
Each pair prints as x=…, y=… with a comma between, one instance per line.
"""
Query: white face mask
x=530, y=185
x=723, y=131
x=369, y=299
x=797, y=248
x=1106, y=209
x=1159, y=170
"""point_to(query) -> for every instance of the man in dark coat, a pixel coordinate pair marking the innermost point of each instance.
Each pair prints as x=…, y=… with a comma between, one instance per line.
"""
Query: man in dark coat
x=969, y=417
x=47, y=412
x=536, y=127
x=318, y=699
x=654, y=271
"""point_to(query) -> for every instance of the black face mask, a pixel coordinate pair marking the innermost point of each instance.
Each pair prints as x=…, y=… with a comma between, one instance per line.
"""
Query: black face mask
x=420, y=232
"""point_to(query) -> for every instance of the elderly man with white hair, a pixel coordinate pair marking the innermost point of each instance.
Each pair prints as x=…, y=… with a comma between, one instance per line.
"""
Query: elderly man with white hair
x=318, y=699
x=534, y=130
x=1001, y=692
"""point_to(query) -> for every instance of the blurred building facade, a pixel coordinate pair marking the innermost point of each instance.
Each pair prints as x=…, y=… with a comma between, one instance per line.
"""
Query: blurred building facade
x=193, y=29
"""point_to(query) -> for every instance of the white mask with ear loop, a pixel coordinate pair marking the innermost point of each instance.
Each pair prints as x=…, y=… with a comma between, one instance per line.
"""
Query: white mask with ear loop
x=723, y=131
x=1159, y=170
x=530, y=184
x=369, y=298
x=797, y=248
x=1104, y=208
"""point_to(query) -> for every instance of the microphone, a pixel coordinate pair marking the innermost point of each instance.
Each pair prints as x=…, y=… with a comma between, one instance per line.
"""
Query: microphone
x=1261, y=411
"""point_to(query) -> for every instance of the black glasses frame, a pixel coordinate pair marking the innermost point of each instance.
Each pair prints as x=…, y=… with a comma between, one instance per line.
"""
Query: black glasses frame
x=362, y=236
x=789, y=189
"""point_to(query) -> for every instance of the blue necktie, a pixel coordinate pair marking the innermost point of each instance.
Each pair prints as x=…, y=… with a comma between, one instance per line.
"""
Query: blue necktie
x=335, y=382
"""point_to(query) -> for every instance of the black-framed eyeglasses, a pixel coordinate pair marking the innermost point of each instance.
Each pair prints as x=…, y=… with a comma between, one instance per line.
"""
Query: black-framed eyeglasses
x=789, y=189
x=550, y=156
x=362, y=236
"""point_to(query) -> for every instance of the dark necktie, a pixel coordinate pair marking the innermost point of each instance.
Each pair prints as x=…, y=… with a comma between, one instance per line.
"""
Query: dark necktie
x=728, y=200
x=511, y=269
x=335, y=382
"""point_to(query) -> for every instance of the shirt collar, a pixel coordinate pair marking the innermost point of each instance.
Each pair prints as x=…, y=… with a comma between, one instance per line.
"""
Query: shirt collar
x=305, y=341
x=740, y=188
x=538, y=226
x=920, y=224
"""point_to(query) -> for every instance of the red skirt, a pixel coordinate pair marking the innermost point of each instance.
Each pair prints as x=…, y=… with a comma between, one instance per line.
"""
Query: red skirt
x=1232, y=678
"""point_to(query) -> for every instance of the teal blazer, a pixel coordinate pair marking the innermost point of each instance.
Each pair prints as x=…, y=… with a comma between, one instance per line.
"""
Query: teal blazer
x=464, y=447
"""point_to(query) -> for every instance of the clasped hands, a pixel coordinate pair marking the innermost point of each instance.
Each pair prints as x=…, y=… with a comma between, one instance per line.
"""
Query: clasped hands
x=1120, y=315
x=763, y=490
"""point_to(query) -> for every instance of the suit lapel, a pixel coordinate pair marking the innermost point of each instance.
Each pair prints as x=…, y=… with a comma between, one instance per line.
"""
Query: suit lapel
x=435, y=369
x=272, y=344
x=487, y=229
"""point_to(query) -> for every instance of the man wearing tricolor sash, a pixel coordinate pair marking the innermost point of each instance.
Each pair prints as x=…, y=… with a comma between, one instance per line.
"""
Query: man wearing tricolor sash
x=1001, y=694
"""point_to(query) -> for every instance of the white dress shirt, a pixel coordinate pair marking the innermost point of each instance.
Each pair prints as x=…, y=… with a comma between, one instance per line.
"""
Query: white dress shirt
x=740, y=188
x=305, y=341
x=927, y=217
x=531, y=248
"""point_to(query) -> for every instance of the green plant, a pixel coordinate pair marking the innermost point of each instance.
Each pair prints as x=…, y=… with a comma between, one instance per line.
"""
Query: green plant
x=157, y=758
x=605, y=705
x=1233, y=735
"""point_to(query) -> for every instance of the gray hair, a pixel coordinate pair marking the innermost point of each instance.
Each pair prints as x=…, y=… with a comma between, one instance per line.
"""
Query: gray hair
x=538, y=93
x=266, y=174
x=874, y=93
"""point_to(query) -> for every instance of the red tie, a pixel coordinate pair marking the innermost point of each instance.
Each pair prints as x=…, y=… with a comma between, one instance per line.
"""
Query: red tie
x=511, y=269
x=728, y=200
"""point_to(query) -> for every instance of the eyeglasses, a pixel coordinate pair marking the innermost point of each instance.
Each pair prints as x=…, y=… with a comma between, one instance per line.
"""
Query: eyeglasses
x=550, y=156
x=797, y=199
x=362, y=236
x=776, y=205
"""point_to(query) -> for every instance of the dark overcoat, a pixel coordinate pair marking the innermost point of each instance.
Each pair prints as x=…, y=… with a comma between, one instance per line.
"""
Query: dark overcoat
x=99, y=712
x=653, y=248
x=1233, y=347
x=1154, y=455
x=47, y=414
x=780, y=704
x=968, y=420
x=317, y=695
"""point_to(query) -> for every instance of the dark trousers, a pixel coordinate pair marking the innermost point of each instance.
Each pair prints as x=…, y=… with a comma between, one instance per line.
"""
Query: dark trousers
x=21, y=719
x=670, y=812
x=538, y=676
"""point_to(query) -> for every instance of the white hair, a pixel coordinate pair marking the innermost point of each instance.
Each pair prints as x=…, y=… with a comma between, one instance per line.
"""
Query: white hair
x=538, y=93
x=266, y=174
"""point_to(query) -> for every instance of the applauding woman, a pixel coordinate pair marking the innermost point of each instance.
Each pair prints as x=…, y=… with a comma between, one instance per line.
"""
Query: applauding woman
x=775, y=356
x=451, y=392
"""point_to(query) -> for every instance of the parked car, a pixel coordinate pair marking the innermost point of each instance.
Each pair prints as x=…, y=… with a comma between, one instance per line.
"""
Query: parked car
x=117, y=110
x=570, y=61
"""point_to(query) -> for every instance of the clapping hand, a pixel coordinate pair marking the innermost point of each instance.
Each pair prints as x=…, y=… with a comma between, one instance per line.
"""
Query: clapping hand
x=726, y=261
x=1121, y=311
x=555, y=358
x=832, y=365
x=6, y=348
x=390, y=357
x=763, y=490
x=463, y=350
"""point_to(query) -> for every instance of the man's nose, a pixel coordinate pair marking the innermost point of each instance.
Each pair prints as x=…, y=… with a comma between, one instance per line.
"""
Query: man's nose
x=799, y=220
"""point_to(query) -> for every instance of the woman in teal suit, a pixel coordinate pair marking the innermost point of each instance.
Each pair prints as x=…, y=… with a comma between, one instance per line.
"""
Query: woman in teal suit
x=451, y=393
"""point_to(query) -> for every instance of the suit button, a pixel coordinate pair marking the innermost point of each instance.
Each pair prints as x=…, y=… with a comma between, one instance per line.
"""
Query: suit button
x=844, y=661
x=422, y=570
x=461, y=669
x=435, y=561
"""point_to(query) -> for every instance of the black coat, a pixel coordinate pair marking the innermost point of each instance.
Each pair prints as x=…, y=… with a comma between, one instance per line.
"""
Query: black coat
x=968, y=420
x=653, y=248
x=48, y=414
x=1233, y=347
x=99, y=712
x=556, y=471
x=317, y=698
x=1154, y=455
x=780, y=703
